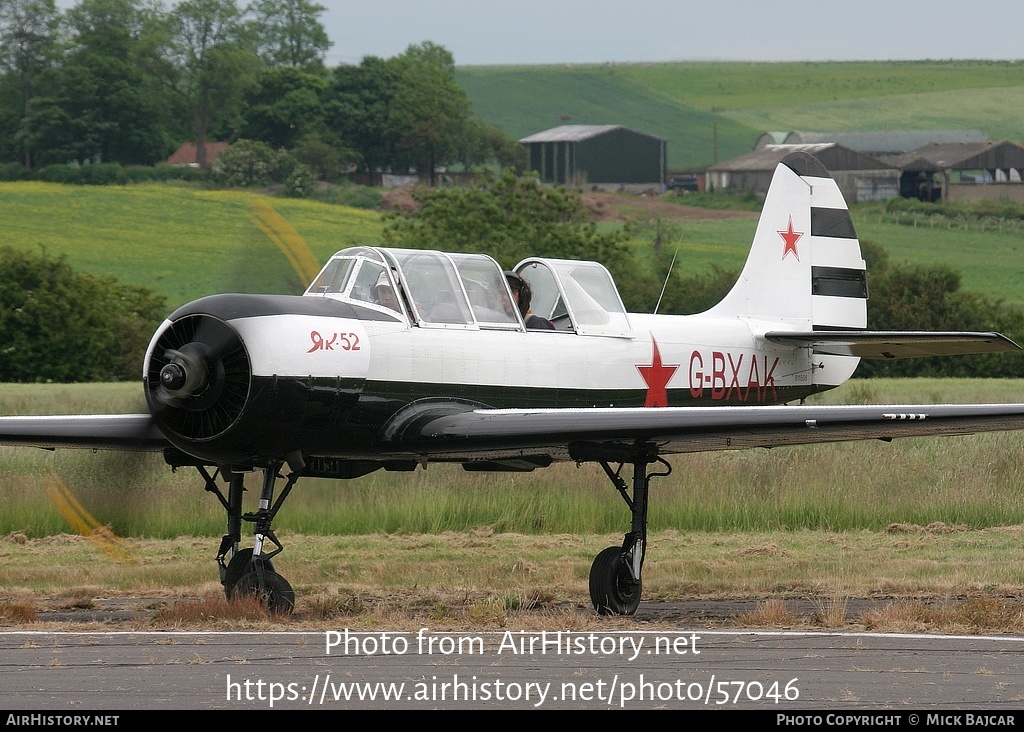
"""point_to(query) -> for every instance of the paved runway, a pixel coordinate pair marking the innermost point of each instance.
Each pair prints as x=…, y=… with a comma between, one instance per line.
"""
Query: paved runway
x=769, y=670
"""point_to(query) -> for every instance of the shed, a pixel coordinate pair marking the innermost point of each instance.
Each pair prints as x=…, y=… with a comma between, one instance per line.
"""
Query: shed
x=186, y=154
x=885, y=142
x=978, y=170
x=860, y=177
x=599, y=155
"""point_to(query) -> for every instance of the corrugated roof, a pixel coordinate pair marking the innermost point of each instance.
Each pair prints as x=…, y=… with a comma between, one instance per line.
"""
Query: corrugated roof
x=770, y=138
x=575, y=133
x=1003, y=154
x=888, y=141
x=911, y=161
x=769, y=156
x=187, y=155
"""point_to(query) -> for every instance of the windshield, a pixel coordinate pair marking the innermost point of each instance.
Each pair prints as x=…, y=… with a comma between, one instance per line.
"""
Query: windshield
x=440, y=290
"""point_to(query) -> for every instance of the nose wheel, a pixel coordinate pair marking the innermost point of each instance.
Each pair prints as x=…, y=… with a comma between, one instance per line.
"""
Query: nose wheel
x=249, y=572
x=271, y=590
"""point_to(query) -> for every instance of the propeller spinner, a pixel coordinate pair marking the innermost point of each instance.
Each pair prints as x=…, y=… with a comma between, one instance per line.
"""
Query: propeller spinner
x=198, y=377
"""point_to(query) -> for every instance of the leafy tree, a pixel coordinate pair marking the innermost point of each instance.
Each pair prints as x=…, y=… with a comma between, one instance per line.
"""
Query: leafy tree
x=511, y=219
x=358, y=111
x=696, y=293
x=289, y=33
x=101, y=104
x=323, y=159
x=429, y=111
x=29, y=44
x=283, y=106
x=247, y=163
x=207, y=60
x=483, y=142
x=60, y=325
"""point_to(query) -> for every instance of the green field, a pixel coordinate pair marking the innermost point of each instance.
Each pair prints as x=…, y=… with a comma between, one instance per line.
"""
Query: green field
x=691, y=103
x=182, y=242
x=187, y=242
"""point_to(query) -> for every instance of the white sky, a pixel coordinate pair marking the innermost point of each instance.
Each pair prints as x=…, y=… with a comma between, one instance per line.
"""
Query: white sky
x=593, y=31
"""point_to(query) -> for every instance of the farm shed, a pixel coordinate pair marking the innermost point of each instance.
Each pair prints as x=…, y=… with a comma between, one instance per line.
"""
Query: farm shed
x=598, y=155
x=881, y=143
x=977, y=170
x=186, y=155
x=860, y=177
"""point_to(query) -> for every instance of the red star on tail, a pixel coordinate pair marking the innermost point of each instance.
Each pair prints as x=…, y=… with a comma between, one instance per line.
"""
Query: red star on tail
x=656, y=376
x=791, y=238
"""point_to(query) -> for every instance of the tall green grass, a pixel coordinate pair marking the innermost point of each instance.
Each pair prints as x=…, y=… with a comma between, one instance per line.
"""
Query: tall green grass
x=974, y=480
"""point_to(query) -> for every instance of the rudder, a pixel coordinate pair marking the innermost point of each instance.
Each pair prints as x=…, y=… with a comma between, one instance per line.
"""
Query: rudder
x=805, y=266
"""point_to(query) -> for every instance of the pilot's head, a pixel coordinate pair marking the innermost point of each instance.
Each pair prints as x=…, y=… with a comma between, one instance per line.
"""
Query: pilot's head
x=384, y=294
x=520, y=291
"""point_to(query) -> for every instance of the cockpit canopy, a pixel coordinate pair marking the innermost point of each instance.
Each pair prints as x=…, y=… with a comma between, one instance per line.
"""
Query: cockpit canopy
x=470, y=291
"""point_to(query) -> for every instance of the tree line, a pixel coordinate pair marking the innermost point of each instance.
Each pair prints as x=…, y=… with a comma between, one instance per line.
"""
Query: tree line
x=127, y=81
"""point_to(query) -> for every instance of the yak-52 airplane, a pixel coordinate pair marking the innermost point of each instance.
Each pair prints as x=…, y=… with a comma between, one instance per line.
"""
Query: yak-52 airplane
x=397, y=358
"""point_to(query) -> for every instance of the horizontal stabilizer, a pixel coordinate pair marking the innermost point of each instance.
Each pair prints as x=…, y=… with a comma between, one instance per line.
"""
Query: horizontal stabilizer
x=894, y=343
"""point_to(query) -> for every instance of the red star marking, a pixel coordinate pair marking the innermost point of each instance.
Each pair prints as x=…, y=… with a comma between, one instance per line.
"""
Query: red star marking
x=791, y=238
x=656, y=376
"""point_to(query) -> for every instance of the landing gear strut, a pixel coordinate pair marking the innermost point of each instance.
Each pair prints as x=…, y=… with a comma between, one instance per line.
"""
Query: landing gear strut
x=615, y=576
x=249, y=572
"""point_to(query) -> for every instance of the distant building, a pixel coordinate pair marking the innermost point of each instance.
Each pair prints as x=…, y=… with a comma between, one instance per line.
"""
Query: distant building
x=186, y=154
x=965, y=171
x=879, y=143
x=604, y=156
x=859, y=176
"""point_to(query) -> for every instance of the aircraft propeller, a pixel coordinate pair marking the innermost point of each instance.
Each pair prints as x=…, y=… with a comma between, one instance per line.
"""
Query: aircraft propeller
x=197, y=382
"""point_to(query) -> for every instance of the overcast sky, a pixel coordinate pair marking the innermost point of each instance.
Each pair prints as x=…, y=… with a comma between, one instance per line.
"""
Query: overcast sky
x=483, y=32
x=594, y=31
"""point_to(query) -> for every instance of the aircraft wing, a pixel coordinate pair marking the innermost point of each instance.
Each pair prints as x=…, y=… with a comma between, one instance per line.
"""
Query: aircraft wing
x=606, y=434
x=96, y=431
x=894, y=343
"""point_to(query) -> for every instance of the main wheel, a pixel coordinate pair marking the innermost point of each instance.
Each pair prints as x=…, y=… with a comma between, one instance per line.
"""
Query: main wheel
x=239, y=565
x=612, y=587
x=279, y=598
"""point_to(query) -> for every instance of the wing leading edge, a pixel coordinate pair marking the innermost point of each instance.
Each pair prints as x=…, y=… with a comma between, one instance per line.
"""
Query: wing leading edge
x=587, y=434
x=96, y=431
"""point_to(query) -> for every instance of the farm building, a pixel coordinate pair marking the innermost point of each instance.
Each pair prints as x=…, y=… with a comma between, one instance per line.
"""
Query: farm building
x=860, y=177
x=598, y=155
x=880, y=143
x=966, y=171
x=186, y=154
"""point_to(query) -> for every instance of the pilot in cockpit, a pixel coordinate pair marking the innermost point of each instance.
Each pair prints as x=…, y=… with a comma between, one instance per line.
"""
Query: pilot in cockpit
x=522, y=294
x=383, y=294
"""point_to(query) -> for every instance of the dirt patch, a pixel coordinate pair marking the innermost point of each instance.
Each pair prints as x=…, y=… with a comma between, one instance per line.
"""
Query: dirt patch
x=399, y=199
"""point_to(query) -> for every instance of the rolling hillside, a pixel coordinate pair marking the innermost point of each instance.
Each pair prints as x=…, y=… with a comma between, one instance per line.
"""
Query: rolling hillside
x=186, y=242
x=182, y=242
x=712, y=111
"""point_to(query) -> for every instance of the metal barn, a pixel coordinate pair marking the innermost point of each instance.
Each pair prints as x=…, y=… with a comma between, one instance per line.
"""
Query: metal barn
x=859, y=176
x=598, y=155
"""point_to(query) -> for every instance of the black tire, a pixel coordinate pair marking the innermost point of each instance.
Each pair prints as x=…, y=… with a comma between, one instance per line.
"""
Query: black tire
x=279, y=597
x=612, y=587
x=239, y=565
